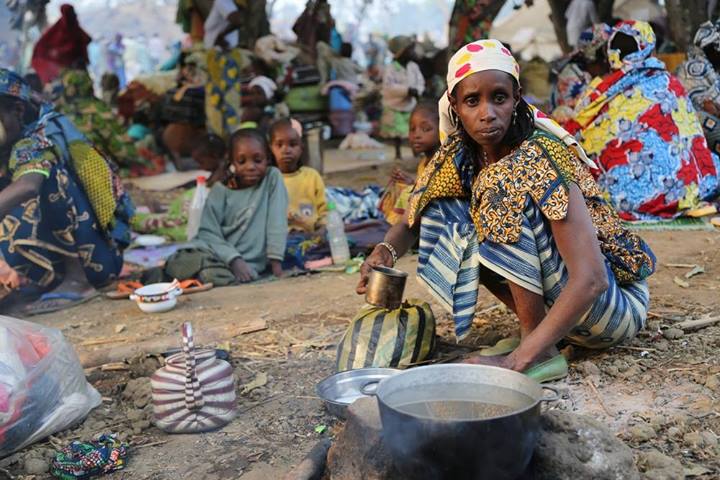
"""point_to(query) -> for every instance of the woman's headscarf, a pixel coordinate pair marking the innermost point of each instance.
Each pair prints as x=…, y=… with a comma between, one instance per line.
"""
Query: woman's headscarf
x=593, y=40
x=483, y=55
x=13, y=85
x=708, y=35
x=643, y=35
x=63, y=45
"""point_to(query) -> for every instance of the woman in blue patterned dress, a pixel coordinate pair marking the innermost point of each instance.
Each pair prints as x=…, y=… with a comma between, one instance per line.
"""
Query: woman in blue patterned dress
x=509, y=202
x=63, y=208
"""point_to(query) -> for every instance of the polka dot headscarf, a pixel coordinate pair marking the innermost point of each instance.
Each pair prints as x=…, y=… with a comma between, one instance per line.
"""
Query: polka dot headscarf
x=480, y=56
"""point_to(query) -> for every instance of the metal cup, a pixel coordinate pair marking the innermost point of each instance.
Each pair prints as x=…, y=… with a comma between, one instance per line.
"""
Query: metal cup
x=386, y=287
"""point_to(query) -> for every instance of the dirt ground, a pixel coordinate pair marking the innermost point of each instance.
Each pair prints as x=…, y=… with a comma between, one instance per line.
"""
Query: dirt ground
x=659, y=392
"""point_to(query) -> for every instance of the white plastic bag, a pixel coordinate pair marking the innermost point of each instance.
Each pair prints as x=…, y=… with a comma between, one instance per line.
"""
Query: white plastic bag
x=42, y=384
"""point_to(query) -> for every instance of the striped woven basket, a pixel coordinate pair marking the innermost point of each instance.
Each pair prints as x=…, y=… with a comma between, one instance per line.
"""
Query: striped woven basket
x=194, y=391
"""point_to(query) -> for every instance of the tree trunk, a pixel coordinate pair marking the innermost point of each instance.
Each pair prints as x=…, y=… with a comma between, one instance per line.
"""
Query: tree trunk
x=684, y=17
x=605, y=10
x=557, y=15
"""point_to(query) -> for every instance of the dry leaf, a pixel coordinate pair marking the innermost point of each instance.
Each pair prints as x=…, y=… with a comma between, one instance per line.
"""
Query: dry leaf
x=682, y=283
x=695, y=271
x=260, y=380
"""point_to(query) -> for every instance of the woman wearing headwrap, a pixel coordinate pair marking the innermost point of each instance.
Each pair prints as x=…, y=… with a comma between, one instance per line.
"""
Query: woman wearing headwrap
x=508, y=201
x=639, y=126
x=64, y=45
x=95, y=119
x=62, y=207
x=403, y=84
x=699, y=76
x=587, y=62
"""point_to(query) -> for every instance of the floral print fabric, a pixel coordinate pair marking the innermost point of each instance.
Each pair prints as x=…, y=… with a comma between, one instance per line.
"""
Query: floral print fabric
x=639, y=126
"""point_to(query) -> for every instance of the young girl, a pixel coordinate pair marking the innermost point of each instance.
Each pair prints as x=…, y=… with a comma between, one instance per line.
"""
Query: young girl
x=244, y=226
x=307, y=210
x=403, y=84
x=424, y=139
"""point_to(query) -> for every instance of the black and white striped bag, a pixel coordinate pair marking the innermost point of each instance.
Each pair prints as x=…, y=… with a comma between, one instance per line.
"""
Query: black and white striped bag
x=194, y=391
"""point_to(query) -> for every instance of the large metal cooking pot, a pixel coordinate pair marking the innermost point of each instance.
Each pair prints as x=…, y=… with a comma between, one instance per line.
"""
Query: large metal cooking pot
x=433, y=425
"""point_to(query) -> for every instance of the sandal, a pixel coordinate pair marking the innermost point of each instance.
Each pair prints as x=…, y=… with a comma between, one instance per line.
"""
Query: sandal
x=125, y=289
x=502, y=347
x=549, y=370
x=56, y=301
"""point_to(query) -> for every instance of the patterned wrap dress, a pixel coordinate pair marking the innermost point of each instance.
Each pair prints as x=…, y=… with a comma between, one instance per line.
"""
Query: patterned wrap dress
x=81, y=211
x=500, y=218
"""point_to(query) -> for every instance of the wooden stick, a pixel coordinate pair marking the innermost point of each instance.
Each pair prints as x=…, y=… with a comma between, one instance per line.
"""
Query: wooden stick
x=696, y=324
x=598, y=397
x=152, y=444
x=313, y=465
x=681, y=265
x=103, y=341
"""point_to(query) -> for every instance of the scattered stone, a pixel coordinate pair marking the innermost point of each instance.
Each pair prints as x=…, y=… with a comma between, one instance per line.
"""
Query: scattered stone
x=139, y=426
x=662, y=345
x=658, y=421
x=710, y=440
x=641, y=432
x=631, y=372
x=138, y=391
x=693, y=439
x=135, y=415
x=713, y=382
x=612, y=370
x=656, y=466
x=673, y=333
x=621, y=365
x=589, y=369
x=673, y=432
x=120, y=328
x=574, y=446
x=35, y=466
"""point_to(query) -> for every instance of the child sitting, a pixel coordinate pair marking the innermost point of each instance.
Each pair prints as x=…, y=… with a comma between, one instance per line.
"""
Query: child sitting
x=244, y=225
x=307, y=209
x=209, y=153
x=424, y=139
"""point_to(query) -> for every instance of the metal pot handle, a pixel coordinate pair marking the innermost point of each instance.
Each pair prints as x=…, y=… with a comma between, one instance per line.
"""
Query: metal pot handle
x=552, y=398
x=370, y=388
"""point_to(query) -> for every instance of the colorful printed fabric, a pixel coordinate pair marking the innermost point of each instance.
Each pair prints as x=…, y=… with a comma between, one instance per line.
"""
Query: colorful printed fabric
x=642, y=130
x=11, y=84
x=469, y=22
x=82, y=460
x=82, y=209
x=223, y=92
x=95, y=119
x=495, y=205
x=572, y=80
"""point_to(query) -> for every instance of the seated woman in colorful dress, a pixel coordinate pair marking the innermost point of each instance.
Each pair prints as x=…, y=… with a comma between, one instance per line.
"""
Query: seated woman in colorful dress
x=640, y=127
x=699, y=76
x=63, y=208
x=508, y=201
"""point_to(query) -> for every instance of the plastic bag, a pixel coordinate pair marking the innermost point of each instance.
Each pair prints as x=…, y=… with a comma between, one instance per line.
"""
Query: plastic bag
x=42, y=384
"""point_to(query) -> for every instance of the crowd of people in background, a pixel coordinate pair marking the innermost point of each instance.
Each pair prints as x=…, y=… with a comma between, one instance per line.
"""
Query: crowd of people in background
x=237, y=101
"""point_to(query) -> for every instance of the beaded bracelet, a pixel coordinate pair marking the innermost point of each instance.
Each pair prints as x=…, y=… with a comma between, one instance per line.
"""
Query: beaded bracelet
x=392, y=251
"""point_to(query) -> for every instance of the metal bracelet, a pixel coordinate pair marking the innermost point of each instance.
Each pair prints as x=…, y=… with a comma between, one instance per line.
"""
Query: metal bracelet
x=392, y=251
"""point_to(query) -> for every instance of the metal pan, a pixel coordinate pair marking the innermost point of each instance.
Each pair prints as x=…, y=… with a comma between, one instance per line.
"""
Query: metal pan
x=342, y=389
